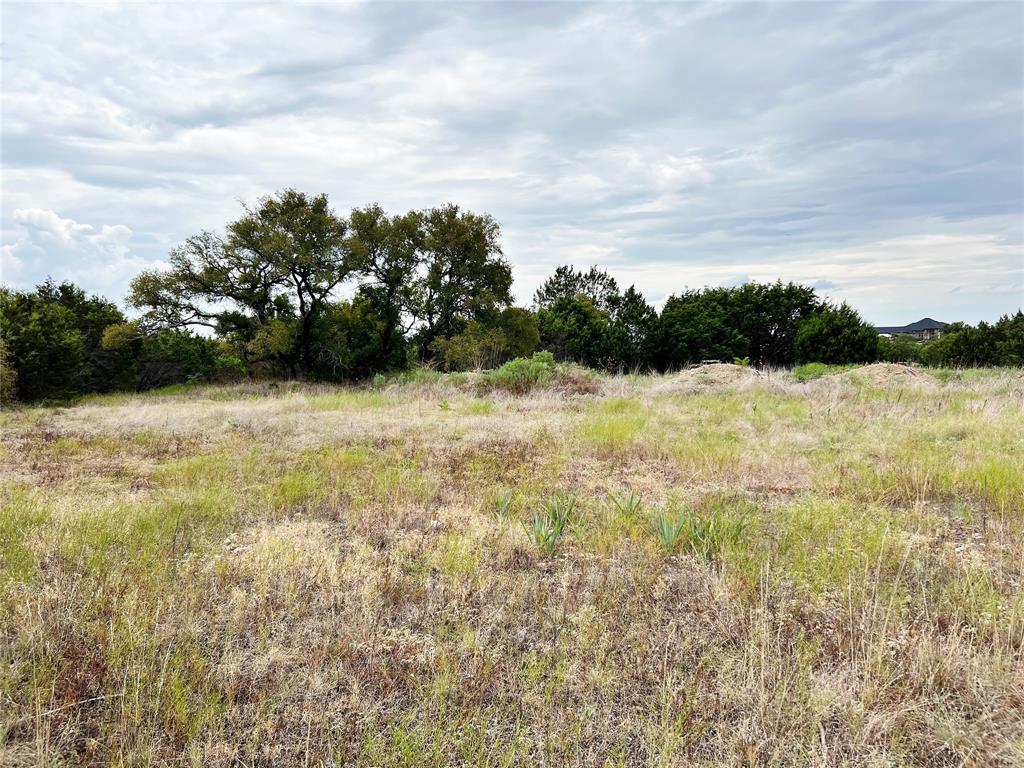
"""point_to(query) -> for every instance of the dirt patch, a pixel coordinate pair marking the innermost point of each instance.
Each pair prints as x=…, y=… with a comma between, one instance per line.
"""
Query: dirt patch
x=710, y=376
x=892, y=375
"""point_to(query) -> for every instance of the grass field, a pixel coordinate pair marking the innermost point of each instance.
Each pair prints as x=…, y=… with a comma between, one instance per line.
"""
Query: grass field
x=642, y=571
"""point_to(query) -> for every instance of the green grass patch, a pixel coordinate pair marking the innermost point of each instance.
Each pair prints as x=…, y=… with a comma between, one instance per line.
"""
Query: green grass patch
x=613, y=428
x=22, y=513
x=811, y=371
x=351, y=399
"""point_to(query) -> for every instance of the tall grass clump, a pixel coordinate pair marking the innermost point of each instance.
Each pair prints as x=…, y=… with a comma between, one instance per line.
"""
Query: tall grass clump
x=503, y=505
x=629, y=504
x=812, y=371
x=614, y=427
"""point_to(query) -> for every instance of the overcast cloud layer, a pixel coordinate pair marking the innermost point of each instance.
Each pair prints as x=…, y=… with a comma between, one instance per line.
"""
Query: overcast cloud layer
x=874, y=151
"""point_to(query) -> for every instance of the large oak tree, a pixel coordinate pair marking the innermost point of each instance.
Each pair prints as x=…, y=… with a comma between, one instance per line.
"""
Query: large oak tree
x=265, y=281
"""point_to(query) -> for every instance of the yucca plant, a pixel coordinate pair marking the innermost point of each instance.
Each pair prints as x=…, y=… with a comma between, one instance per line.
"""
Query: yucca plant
x=549, y=522
x=628, y=506
x=671, y=531
x=710, y=534
x=503, y=505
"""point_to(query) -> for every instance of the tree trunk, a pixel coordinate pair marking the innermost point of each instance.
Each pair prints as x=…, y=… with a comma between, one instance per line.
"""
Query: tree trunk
x=305, y=330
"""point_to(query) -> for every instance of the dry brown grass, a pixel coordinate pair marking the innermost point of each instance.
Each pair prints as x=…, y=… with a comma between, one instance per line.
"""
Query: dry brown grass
x=322, y=576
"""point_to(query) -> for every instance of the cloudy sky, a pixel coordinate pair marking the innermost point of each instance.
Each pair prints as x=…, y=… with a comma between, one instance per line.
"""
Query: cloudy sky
x=874, y=151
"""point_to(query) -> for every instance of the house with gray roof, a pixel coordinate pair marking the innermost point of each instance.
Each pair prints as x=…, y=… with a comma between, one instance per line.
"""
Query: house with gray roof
x=922, y=330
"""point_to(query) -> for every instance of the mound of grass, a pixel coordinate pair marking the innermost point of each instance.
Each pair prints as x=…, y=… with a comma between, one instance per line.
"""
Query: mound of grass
x=525, y=374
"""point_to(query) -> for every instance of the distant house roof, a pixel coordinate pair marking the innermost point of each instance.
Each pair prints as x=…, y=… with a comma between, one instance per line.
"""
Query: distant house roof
x=924, y=324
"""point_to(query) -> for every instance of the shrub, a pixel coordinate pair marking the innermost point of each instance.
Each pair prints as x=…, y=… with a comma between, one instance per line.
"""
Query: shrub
x=523, y=374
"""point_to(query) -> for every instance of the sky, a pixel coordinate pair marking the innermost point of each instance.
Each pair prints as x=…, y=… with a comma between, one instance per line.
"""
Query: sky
x=873, y=151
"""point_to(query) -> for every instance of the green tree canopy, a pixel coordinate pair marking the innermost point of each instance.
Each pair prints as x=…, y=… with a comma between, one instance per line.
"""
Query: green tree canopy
x=52, y=338
x=595, y=284
x=275, y=266
x=695, y=326
x=575, y=330
x=389, y=255
x=768, y=316
x=837, y=336
x=633, y=332
x=467, y=277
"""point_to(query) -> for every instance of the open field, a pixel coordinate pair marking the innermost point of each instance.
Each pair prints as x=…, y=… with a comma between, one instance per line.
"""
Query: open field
x=662, y=571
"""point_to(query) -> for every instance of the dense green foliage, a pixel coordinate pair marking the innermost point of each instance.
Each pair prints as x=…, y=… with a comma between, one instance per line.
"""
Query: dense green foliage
x=584, y=318
x=836, y=336
x=58, y=342
x=428, y=287
x=695, y=327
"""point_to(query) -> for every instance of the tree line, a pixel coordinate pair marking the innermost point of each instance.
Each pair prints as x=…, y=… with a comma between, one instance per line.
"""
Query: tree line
x=264, y=298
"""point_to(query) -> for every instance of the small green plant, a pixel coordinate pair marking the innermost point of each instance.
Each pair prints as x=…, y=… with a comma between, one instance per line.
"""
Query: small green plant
x=444, y=405
x=504, y=505
x=549, y=522
x=671, y=531
x=743, y=361
x=704, y=532
x=709, y=535
x=629, y=506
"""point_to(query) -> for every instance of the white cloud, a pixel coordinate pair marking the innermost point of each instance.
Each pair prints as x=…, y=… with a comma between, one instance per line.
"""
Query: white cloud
x=675, y=145
x=45, y=244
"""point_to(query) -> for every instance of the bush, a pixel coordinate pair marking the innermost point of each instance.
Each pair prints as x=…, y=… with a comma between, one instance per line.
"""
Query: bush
x=521, y=375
